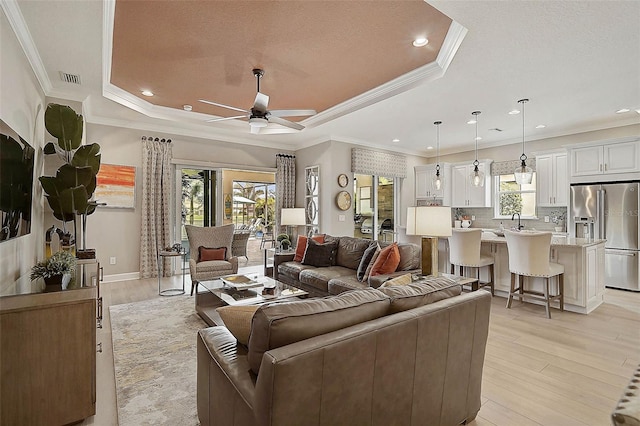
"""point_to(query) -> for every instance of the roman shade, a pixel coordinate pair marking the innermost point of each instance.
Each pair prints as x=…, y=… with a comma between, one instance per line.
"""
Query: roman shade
x=507, y=167
x=367, y=162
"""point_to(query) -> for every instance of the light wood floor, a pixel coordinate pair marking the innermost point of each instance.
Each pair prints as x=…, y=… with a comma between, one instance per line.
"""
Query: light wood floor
x=569, y=370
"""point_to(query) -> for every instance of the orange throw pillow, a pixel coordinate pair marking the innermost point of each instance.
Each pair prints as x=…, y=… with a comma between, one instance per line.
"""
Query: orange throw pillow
x=205, y=253
x=301, y=246
x=387, y=261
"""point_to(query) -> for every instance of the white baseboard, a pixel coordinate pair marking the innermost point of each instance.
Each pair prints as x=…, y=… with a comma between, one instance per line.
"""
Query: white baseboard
x=121, y=277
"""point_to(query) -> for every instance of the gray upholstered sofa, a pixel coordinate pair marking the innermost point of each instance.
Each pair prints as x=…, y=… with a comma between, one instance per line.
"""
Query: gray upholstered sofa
x=340, y=277
x=410, y=355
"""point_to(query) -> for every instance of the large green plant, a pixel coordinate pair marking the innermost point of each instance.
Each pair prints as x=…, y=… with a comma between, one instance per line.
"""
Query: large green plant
x=69, y=192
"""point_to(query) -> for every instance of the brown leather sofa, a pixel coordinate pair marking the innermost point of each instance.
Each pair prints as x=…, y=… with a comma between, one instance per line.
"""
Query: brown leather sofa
x=420, y=366
x=323, y=281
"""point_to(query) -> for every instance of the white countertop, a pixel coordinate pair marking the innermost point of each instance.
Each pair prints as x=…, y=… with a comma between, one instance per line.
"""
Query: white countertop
x=556, y=240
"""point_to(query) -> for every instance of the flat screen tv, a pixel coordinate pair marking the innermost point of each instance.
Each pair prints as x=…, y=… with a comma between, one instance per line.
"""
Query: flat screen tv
x=16, y=183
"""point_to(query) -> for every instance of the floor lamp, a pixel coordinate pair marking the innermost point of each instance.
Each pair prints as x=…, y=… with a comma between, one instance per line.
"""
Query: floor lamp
x=293, y=217
x=430, y=223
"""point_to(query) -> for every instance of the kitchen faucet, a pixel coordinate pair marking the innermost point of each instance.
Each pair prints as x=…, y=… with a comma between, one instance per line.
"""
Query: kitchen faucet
x=513, y=218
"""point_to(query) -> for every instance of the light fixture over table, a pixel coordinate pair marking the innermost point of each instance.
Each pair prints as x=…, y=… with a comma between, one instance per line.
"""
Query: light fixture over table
x=430, y=223
x=523, y=173
x=438, y=178
x=477, y=176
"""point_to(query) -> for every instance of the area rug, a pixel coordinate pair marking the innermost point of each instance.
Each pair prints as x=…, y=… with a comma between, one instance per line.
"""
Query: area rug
x=154, y=355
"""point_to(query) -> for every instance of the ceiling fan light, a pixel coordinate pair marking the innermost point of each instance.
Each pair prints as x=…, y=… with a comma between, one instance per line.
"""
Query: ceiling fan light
x=258, y=122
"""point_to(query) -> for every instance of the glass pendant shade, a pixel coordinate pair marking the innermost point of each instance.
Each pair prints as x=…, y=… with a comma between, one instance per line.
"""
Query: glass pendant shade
x=437, y=181
x=476, y=178
x=523, y=173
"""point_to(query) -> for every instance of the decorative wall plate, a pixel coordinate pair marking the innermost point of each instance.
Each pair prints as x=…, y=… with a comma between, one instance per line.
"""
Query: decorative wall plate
x=343, y=180
x=343, y=200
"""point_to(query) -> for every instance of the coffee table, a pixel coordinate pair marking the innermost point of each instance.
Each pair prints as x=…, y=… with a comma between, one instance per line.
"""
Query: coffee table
x=214, y=294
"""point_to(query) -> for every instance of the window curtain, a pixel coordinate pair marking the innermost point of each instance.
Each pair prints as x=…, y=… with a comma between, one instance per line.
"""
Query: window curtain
x=156, y=194
x=367, y=162
x=285, y=185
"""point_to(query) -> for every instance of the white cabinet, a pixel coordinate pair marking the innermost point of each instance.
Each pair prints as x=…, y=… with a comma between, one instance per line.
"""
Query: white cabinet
x=463, y=194
x=424, y=183
x=606, y=159
x=553, y=180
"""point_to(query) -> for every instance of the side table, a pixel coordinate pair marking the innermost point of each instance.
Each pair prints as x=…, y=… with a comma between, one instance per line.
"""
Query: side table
x=270, y=263
x=162, y=254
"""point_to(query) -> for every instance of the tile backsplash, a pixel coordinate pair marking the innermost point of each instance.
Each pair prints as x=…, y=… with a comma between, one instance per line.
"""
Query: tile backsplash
x=484, y=219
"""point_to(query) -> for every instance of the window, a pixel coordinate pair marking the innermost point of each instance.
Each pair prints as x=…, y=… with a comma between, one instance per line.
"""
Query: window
x=513, y=198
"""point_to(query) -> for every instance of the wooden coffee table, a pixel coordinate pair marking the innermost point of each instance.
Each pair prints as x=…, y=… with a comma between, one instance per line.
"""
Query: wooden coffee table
x=214, y=294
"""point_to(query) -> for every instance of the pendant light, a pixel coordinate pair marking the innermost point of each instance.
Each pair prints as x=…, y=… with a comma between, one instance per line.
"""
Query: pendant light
x=523, y=173
x=437, y=181
x=476, y=177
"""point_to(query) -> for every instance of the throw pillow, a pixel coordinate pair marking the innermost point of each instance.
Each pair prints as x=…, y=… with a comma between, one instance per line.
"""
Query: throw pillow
x=207, y=253
x=370, y=266
x=401, y=280
x=366, y=260
x=387, y=261
x=319, y=255
x=301, y=246
x=237, y=319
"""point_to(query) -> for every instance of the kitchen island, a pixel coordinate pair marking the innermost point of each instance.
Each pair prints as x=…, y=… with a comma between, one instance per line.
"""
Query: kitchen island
x=583, y=262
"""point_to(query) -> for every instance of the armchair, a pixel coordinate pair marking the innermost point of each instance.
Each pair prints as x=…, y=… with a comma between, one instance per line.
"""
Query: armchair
x=210, y=237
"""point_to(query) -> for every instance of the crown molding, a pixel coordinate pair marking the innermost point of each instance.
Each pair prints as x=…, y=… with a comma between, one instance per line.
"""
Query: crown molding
x=19, y=26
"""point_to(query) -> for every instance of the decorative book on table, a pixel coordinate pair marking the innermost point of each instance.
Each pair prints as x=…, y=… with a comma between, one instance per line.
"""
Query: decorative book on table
x=240, y=282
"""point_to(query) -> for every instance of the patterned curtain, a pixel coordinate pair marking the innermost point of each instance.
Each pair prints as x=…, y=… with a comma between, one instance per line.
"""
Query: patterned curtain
x=156, y=193
x=285, y=185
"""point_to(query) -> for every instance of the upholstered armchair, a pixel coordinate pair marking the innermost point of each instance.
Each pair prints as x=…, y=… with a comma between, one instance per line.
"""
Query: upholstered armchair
x=216, y=263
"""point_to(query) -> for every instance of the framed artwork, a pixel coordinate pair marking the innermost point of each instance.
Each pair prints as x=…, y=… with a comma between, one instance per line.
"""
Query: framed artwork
x=17, y=158
x=116, y=186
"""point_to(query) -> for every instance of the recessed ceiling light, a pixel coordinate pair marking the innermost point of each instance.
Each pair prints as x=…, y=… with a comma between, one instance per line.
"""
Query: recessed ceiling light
x=638, y=111
x=147, y=93
x=396, y=140
x=479, y=138
x=420, y=41
x=514, y=112
x=471, y=122
x=429, y=147
x=622, y=110
x=540, y=126
x=187, y=107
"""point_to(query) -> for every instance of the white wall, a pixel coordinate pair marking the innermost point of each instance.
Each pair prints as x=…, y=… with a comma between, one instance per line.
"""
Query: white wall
x=21, y=97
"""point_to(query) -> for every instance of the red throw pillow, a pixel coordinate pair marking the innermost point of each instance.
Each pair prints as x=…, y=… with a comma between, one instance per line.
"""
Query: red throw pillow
x=206, y=253
x=387, y=261
x=301, y=246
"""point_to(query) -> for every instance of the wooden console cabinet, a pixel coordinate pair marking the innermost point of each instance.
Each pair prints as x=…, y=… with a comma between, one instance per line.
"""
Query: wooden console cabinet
x=48, y=357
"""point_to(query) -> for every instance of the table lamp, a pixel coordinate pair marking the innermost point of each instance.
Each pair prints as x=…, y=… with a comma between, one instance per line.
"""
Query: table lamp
x=430, y=223
x=293, y=217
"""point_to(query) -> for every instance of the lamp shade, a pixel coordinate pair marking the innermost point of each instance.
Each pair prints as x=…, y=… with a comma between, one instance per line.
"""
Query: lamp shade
x=293, y=216
x=432, y=221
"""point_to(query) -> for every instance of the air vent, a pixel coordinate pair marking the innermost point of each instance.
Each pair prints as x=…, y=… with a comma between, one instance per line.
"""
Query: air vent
x=495, y=129
x=70, y=78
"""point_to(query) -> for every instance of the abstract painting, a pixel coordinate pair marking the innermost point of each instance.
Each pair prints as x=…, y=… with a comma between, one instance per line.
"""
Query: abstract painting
x=116, y=186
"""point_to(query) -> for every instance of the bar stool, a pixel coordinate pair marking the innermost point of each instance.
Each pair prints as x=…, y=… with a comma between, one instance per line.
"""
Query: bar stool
x=529, y=257
x=464, y=251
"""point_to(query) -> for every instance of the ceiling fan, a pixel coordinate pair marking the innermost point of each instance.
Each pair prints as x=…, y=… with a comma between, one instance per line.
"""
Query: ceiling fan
x=259, y=116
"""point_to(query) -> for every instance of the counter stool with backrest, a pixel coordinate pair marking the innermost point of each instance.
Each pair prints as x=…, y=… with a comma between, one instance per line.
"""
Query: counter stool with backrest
x=529, y=257
x=464, y=251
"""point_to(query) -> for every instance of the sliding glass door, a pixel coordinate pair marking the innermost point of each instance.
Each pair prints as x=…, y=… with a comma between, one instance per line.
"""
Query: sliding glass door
x=374, y=207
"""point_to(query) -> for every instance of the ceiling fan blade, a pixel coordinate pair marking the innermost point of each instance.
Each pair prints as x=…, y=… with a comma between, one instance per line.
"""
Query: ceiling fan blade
x=255, y=130
x=261, y=102
x=213, y=120
x=286, y=123
x=292, y=112
x=223, y=105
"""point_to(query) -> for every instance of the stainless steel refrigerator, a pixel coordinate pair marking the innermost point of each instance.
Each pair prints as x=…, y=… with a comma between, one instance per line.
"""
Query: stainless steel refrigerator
x=610, y=211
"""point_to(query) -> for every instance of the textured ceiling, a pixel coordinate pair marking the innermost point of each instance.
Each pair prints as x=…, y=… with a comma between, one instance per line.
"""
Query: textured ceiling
x=315, y=54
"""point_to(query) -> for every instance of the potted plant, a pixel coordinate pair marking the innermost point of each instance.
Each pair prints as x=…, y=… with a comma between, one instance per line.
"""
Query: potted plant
x=56, y=271
x=558, y=217
x=284, y=240
x=69, y=192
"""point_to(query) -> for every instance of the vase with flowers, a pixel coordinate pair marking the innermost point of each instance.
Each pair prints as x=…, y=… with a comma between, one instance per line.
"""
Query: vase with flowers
x=56, y=271
x=558, y=218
